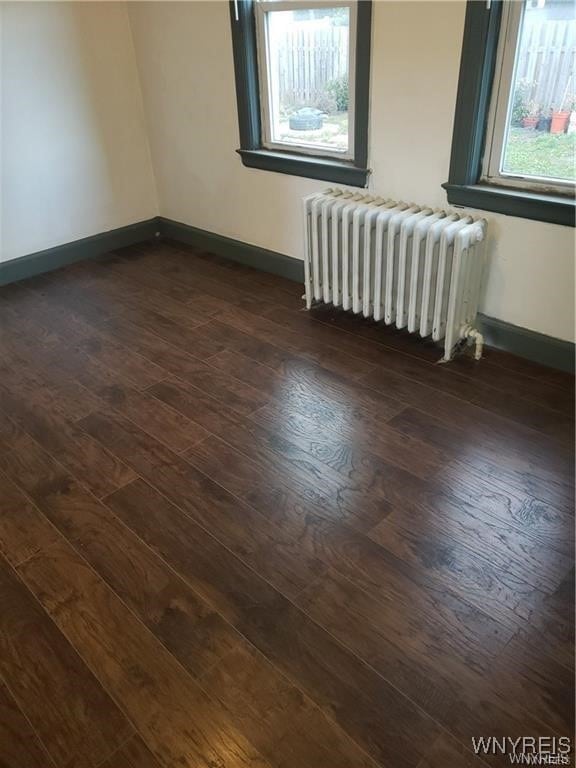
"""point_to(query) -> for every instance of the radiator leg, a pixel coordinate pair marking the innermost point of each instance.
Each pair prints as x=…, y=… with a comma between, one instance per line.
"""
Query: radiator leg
x=310, y=301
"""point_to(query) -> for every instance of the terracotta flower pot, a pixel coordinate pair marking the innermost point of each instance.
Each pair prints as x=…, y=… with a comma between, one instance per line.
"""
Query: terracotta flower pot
x=530, y=122
x=559, y=122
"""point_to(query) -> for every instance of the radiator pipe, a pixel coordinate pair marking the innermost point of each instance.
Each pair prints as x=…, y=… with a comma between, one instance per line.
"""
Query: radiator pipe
x=476, y=337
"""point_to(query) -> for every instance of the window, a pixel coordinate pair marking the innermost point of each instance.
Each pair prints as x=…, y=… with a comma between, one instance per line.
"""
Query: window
x=302, y=69
x=515, y=125
x=533, y=97
x=304, y=60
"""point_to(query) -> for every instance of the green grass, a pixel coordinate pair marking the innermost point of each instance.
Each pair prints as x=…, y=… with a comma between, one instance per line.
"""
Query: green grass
x=532, y=153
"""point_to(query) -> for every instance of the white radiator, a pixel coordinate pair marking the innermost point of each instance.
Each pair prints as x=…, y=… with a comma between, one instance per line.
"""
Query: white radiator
x=410, y=266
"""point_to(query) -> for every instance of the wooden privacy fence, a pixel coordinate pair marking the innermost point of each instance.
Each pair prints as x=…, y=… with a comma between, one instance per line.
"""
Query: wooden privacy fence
x=310, y=56
x=546, y=63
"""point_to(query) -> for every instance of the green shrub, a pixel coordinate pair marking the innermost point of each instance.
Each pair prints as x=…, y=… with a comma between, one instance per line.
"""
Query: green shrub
x=519, y=108
x=326, y=103
x=339, y=90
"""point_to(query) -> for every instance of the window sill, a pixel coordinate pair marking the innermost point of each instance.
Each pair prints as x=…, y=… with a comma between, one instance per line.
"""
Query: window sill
x=513, y=202
x=323, y=168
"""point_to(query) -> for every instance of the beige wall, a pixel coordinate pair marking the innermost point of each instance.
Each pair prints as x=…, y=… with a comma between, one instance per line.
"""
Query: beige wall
x=74, y=153
x=75, y=158
x=184, y=56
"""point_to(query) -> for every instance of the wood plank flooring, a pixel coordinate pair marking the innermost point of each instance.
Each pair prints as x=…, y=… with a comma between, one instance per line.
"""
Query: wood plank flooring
x=235, y=534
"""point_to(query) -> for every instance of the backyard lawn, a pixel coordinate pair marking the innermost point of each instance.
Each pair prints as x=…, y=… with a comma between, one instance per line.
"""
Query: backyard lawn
x=534, y=153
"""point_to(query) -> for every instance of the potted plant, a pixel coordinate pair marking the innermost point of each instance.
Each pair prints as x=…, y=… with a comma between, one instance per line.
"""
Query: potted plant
x=559, y=121
x=531, y=121
x=544, y=122
x=533, y=116
x=560, y=117
x=572, y=121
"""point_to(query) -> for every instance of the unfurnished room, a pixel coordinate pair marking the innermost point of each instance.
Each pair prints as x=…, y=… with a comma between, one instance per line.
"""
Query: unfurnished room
x=287, y=383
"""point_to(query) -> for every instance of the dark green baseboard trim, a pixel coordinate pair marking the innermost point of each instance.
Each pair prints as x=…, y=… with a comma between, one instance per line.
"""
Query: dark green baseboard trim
x=87, y=248
x=519, y=341
x=534, y=346
x=235, y=250
x=538, y=347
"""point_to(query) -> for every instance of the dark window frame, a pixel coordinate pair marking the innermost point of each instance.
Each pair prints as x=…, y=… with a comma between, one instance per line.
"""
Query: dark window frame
x=351, y=172
x=477, y=67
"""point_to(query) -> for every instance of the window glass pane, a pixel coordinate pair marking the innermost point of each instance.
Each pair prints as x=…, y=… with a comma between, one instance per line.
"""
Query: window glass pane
x=541, y=131
x=308, y=73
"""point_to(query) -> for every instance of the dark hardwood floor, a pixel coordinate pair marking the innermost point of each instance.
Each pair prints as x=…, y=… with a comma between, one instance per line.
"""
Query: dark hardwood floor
x=237, y=534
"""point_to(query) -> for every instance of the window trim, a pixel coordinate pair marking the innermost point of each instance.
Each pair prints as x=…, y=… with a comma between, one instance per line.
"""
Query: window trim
x=466, y=185
x=254, y=154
